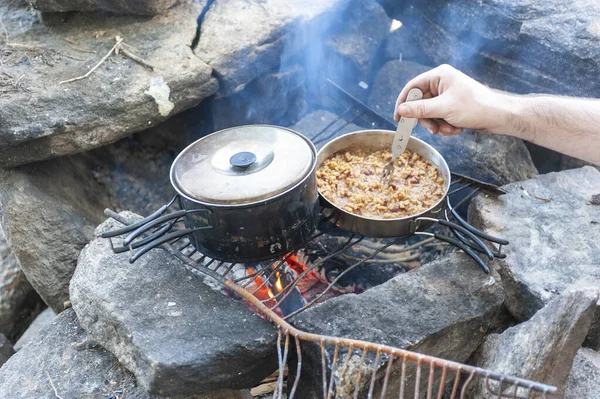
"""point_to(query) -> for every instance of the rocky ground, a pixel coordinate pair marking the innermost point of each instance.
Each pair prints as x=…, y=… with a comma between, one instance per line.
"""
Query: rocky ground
x=70, y=149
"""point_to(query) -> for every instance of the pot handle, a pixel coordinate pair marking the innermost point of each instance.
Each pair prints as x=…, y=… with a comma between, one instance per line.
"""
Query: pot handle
x=139, y=223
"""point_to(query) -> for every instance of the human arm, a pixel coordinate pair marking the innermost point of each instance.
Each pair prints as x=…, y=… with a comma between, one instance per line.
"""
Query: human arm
x=452, y=101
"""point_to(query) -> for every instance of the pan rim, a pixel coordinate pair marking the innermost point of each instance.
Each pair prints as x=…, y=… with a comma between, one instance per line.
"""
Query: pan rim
x=447, y=182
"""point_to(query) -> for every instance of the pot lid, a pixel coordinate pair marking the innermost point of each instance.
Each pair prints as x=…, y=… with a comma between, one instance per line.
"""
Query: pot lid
x=242, y=165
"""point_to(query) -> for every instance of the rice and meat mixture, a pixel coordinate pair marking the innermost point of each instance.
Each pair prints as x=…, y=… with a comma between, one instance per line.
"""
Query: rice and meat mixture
x=352, y=181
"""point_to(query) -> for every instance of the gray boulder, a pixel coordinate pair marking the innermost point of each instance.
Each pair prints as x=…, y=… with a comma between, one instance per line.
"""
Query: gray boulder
x=584, y=380
x=541, y=349
x=139, y=7
x=40, y=321
x=401, y=45
x=176, y=334
x=278, y=98
x=243, y=40
x=6, y=349
x=548, y=47
x=493, y=158
x=443, y=308
x=357, y=36
x=62, y=361
x=41, y=118
x=554, y=235
x=48, y=212
x=19, y=303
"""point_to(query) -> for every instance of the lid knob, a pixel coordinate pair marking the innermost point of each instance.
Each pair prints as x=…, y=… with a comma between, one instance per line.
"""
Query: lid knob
x=242, y=159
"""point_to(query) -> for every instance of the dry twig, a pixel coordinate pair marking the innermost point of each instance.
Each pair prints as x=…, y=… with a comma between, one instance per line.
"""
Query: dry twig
x=84, y=50
x=118, y=41
x=53, y=387
x=116, y=48
x=68, y=40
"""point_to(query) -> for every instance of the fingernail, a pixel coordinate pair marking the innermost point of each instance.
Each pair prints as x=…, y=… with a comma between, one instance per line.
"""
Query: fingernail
x=402, y=109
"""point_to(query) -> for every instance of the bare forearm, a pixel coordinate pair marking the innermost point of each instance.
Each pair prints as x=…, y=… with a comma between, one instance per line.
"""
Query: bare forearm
x=567, y=125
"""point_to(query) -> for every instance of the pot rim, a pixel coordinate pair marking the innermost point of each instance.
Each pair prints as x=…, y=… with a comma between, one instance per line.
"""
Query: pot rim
x=263, y=201
x=447, y=182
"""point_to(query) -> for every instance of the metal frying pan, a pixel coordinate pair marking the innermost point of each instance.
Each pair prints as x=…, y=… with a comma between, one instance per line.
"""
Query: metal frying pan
x=374, y=140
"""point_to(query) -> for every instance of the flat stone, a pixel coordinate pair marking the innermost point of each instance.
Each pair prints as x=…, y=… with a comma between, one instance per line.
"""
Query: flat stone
x=547, y=47
x=357, y=37
x=243, y=40
x=261, y=101
x=401, y=45
x=43, y=119
x=443, y=308
x=554, y=236
x=146, y=7
x=161, y=322
x=492, y=158
x=19, y=303
x=313, y=123
x=6, y=349
x=541, y=349
x=584, y=380
x=61, y=358
x=40, y=321
x=48, y=213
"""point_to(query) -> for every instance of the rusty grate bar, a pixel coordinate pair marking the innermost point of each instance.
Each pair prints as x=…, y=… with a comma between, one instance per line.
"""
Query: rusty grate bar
x=426, y=369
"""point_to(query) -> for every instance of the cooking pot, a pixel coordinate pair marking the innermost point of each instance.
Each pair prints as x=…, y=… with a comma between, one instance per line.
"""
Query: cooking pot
x=246, y=194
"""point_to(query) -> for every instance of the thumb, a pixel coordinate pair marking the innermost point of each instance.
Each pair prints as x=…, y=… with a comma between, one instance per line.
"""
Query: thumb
x=429, y=108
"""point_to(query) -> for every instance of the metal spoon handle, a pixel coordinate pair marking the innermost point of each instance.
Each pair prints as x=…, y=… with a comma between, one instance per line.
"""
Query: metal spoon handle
x=405, y=127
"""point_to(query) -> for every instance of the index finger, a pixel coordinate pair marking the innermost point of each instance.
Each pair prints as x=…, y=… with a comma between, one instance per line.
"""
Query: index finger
x=427, y=82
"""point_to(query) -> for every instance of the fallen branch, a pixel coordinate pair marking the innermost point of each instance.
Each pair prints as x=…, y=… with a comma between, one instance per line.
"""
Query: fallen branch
x=118, y=47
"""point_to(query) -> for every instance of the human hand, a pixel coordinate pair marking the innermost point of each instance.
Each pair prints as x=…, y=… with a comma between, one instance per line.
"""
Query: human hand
x=452, y=101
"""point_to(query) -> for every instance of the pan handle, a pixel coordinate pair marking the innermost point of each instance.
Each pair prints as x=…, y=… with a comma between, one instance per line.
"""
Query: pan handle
x=133, y=226
x=477, y=240
x=472, y=229
x=460, y=245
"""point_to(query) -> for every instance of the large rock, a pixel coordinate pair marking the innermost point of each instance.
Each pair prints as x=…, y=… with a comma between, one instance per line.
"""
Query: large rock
x=61, y=361
x=357, y=36
x=549, y=46
x=584, y=380
x=143, y=7
x=401, y=45
x=40, y=321
x=443, y=308
x=176, y=334
x=48, y=213
x=278, y=98
x=492, y=158
x=541, y=349
x=41, y=118
x=554, y=235
x=19, y=303
x=50, y=209
x=243, y=40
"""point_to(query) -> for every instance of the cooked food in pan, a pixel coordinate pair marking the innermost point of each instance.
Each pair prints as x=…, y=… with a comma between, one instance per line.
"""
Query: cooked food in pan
x=351, y=180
